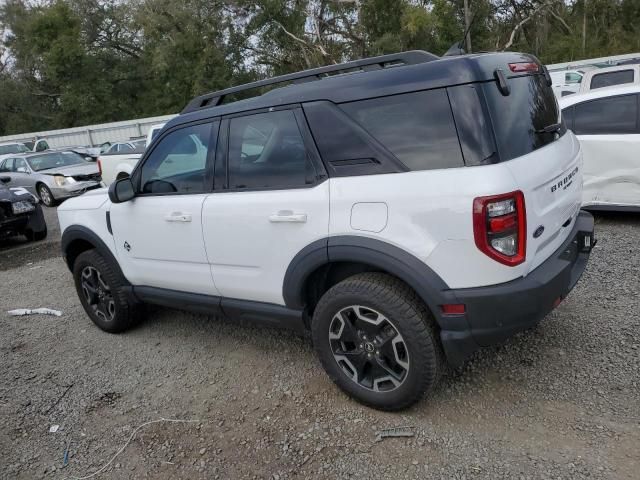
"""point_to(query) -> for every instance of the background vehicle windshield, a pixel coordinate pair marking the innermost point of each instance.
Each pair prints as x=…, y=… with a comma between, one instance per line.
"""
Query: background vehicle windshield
x=55, y=160
x=14, y=148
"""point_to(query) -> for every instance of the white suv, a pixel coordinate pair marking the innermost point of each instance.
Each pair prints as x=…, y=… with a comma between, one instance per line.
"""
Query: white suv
x=407, y=214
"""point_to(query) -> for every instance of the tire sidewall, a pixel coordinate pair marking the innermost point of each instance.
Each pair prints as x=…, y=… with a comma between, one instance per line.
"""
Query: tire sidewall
x=93, y=259
x=42, y=188
x=414, y=341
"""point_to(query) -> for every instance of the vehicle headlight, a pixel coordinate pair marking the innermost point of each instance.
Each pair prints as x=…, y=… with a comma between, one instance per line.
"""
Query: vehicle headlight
x=22, y=207
x=62, y=181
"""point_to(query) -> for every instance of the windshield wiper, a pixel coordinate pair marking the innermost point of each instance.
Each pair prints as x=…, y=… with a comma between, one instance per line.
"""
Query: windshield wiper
x=554, y=127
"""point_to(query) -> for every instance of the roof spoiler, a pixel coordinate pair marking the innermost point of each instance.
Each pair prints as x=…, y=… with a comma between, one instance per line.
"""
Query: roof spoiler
x=412, y=57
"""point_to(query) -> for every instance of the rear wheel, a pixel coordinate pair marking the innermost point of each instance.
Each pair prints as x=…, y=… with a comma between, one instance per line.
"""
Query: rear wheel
x=46, y=196
x=377, y=341
x=101, y=292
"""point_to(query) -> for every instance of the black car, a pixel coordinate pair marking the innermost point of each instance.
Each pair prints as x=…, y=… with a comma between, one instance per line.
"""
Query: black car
x=20, y=213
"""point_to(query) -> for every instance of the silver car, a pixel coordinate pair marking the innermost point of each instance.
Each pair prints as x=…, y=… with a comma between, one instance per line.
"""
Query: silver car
x=52, y=176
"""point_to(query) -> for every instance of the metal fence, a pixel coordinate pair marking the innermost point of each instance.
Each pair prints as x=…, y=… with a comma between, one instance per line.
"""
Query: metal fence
x=92, y=135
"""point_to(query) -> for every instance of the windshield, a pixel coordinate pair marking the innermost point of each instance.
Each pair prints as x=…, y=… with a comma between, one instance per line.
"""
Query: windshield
x=55, y=160
x=13, y=148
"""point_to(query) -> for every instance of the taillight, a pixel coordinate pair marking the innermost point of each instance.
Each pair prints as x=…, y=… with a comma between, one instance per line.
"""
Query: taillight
x=524, y=67
x=500, y=227
x=99, y=166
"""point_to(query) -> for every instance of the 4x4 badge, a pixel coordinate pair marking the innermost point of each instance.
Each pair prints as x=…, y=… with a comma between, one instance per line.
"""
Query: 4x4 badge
x=127, y=247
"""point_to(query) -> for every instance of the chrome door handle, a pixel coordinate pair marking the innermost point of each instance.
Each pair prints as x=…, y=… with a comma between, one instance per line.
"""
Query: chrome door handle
x=287, y=216
x=178, y=217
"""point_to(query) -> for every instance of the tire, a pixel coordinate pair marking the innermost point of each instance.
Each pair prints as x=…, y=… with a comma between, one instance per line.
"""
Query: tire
x=100, y=288
x=46, y=196
x=36, y=236
x=405, y=346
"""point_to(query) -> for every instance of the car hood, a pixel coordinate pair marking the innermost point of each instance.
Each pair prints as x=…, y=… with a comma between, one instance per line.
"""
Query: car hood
x=72, y=170
x=87, y=201
x=13, y=194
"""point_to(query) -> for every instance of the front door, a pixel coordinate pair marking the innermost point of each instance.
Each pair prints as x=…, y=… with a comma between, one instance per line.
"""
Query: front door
x=273, y=203
x=158, y=234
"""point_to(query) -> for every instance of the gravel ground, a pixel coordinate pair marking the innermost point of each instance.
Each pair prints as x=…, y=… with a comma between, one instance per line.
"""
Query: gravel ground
x=560, y=401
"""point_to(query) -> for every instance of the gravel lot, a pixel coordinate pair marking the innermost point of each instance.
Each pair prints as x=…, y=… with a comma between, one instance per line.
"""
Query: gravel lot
x=560, y=401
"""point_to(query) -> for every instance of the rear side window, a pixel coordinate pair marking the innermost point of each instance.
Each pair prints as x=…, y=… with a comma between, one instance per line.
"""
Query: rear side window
x=609, y=79
x=266, y=150
x=418, y=128
x=519, y=117
x=607, y=116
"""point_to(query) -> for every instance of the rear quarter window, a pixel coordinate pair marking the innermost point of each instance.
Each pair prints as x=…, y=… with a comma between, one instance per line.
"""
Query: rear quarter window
x=418, y=128
x=608, y=79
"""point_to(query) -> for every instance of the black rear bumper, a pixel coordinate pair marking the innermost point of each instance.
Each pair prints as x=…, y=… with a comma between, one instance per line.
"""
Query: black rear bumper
x=495, y=313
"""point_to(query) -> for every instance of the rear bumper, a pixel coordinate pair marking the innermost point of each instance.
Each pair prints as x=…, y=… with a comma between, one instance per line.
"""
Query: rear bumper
x=495, y=313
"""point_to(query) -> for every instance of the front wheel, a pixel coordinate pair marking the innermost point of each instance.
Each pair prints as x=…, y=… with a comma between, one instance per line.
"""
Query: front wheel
x=101, y=292
x=46, y=196
x=377, y=341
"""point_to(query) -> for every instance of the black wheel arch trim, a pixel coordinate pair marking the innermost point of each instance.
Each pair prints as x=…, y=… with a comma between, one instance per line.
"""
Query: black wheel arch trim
x=376, y=253
x=79, y=232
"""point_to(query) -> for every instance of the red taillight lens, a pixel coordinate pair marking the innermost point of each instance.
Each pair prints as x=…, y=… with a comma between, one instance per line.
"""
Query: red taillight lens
x=500, y=227
x=453, y=308
x=99, y=166
x=524, y=67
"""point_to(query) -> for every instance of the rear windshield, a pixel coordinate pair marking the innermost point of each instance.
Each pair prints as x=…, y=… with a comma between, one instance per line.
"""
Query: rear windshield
x=519, y=117
x=13, y=148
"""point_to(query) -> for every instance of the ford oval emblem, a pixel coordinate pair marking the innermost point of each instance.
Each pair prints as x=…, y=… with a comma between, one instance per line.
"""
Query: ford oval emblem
x=539, y=231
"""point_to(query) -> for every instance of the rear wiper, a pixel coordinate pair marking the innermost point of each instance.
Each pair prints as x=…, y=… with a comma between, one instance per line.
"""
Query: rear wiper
x=554, y=127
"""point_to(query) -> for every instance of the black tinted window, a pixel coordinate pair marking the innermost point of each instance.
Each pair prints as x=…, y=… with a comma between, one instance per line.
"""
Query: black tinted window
x=608, y=79
x=518, y=117
x=567, y=117
x=266, y=150
x=607, y=115
x=179, y=164
x=417, y=128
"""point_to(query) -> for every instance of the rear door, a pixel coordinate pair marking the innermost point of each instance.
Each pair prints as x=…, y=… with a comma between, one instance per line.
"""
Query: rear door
x=543, y=157
x=270, y=201
x=609, y=131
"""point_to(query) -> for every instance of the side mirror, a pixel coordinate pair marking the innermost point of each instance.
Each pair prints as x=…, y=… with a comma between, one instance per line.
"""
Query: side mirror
x=5, y=179
x=121, y=191
x=22, y=170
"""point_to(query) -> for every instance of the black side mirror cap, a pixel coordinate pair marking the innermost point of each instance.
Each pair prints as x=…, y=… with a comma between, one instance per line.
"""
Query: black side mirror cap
x=121, y=191
x=5, y=179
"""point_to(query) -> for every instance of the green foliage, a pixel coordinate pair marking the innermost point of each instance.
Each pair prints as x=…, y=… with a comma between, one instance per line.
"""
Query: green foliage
x=75, y=62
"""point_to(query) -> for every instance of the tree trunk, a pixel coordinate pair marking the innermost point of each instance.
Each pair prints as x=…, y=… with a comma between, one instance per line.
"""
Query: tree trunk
x=467, y=24
x=584, y=27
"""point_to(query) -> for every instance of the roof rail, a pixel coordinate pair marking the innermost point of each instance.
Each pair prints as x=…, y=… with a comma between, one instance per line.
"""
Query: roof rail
x=366, y=64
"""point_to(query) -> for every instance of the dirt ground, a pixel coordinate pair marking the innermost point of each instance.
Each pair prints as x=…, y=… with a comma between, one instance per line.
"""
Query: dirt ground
x=561, y=401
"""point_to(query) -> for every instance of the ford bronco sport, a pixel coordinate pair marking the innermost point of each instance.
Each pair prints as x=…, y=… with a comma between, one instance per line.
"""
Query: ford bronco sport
x=406, y=209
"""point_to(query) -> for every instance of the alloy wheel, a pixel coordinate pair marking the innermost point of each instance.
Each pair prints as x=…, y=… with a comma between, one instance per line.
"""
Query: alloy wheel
x=368, y=348
x=98, y=294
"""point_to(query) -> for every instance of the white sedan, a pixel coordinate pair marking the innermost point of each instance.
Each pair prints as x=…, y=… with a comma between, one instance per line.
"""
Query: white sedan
x=607, y=123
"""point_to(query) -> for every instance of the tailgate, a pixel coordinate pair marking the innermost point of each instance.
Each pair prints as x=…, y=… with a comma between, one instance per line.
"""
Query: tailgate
x=551, y=179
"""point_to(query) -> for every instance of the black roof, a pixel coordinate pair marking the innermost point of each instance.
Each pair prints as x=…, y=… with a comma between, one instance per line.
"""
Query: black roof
x=431, y=72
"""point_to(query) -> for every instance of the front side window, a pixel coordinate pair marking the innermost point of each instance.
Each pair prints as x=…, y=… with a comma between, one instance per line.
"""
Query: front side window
x=179, y=164
x=20, y=166
x=42, y=146
x=418, y=128
x=608, y=79
x=266, y=150
x=607, y=116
